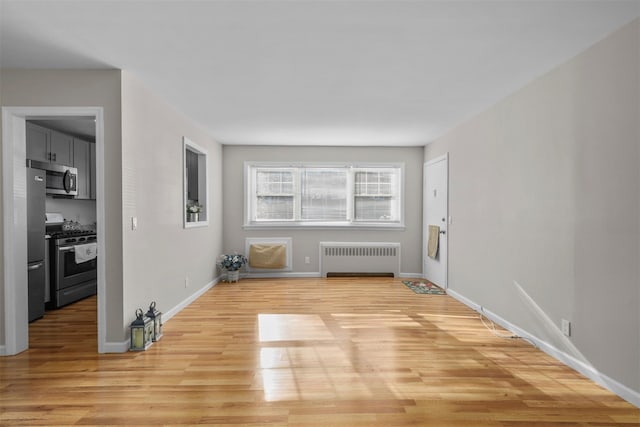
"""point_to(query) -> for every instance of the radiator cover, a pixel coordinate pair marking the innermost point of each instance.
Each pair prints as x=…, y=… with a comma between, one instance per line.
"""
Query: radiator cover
x=359, y=257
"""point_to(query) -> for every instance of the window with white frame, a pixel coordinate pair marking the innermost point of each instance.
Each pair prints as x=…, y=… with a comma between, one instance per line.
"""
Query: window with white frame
x=274, y=194
x=375, y=197
x=317, y=195
x=195, y=202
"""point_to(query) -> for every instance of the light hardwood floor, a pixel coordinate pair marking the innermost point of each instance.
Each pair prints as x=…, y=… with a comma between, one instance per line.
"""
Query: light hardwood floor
x=307, y=352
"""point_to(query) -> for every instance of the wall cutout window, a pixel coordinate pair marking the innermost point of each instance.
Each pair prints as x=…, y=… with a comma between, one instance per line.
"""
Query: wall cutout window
x=196, y=201
x=310, y=195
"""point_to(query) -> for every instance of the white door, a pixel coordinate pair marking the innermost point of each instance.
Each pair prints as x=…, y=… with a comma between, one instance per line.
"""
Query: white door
x=436, y=206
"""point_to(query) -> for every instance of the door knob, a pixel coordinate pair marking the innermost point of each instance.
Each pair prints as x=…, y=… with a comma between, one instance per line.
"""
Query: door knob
x=443, y=232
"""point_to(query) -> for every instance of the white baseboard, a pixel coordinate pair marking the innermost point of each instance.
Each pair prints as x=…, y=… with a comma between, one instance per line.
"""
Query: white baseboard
x=116, y=347
x=631, y=396
x=275, y=275
x=283, y=275
x=178, y=308
x=410, y=275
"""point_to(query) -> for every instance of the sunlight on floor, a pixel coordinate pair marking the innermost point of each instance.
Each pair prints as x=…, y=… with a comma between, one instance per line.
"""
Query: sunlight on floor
x=292, y=327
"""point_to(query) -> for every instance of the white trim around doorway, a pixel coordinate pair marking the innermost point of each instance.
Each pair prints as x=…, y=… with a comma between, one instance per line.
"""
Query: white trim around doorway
x=16, y=331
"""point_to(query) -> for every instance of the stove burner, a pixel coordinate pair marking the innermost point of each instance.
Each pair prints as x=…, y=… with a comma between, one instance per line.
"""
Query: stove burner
x=71, y=233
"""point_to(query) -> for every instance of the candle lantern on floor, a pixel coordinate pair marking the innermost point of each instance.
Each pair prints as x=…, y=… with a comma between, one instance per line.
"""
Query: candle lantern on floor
x=141, y=332
x=156, y=317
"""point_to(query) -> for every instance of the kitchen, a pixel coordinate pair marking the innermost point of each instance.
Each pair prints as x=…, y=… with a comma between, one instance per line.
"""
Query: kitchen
x=61, y=213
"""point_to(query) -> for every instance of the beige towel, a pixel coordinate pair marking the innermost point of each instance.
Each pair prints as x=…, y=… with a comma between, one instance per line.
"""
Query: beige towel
x=86, y=252
x=434, y=237
x=268, y=256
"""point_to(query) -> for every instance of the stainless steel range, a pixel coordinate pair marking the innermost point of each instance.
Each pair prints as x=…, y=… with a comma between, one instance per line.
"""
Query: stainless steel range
x=73, y=264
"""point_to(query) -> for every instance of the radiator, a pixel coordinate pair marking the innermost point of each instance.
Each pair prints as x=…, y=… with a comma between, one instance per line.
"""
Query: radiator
x=353, y=258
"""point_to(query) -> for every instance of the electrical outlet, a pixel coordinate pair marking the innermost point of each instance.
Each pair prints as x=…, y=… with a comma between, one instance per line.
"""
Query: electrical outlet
x=186, y=282
x=307, y=260
x=566, y=327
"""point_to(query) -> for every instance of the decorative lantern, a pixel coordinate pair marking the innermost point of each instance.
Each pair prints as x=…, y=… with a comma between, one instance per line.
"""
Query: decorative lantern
x=156, y=317
x=141, y=332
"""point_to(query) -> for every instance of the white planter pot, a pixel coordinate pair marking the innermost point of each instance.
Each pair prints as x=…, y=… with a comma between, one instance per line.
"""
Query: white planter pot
x=233, y=275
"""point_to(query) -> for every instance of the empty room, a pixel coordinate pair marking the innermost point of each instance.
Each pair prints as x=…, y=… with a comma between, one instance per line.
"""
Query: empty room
x=320, y=212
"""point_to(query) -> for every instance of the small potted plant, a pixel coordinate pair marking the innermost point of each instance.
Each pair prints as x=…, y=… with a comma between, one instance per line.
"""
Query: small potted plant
x=232, y=264
x=193, y=211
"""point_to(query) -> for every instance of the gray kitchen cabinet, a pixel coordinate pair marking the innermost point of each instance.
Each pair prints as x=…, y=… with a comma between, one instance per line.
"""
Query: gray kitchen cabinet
x=61, y=148
x=92, y=165
x=82, y=162
x=48, y=145
x=38, y=142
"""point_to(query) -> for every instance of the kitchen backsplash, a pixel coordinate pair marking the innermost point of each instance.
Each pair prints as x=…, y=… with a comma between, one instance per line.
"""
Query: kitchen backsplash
x=82, y=211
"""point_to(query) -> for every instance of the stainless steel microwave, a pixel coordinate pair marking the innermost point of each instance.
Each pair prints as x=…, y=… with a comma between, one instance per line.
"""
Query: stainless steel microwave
x=61, y=180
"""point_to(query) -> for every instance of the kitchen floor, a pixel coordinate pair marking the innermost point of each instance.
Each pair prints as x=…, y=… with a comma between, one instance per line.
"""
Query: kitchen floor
x=71, y=328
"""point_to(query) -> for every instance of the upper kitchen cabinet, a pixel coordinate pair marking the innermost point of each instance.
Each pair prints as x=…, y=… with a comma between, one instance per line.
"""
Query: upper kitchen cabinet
x=52, y=146
x=61, y=148
x=92, y=157
x=82, y=162
x=48, y=145
x=38, y=142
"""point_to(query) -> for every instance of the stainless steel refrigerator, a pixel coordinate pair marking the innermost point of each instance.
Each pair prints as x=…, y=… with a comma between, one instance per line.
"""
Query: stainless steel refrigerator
x=36, y=188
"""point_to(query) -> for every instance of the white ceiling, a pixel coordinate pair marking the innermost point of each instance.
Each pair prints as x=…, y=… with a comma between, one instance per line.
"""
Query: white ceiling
x=387, y=72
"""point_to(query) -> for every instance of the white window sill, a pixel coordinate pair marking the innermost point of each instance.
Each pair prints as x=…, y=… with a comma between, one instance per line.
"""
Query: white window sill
x=196, y=224
x=323, y=226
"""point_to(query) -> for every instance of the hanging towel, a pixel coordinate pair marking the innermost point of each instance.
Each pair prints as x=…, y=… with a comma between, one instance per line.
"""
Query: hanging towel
x=268, y=256
x=432, y=245
x=85, y=252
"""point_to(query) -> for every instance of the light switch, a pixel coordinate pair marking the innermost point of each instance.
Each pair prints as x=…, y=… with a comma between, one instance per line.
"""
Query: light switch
x=134, y=223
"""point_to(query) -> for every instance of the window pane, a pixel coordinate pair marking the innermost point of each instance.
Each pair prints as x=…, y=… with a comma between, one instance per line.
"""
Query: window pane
x=274, y=182
x=274, y=208
x=324, y=194
x=374, y=208
x=374, y=183
x=376, y=195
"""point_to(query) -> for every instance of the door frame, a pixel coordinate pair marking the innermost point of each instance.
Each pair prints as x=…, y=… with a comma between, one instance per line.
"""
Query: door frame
x=16, y=324
x=425, y=226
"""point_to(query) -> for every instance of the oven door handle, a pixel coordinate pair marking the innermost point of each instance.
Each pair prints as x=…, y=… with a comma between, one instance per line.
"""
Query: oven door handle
x=66, y=249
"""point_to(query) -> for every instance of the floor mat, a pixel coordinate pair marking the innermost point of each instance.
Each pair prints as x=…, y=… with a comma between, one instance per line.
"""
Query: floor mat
x=424, y=287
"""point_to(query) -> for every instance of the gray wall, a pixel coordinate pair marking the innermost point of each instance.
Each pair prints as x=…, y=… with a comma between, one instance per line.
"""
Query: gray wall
x=161, y=252
x=74, y=88
x=83, y=211
x=545, y=191
x=143, y=178
x=2, y=340
x=306, y=241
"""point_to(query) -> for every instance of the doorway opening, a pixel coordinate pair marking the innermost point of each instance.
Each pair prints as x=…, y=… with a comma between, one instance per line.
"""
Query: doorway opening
x=14, y=122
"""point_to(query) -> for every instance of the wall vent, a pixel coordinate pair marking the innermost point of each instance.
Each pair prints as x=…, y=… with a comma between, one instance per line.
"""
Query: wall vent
x=353, y=258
